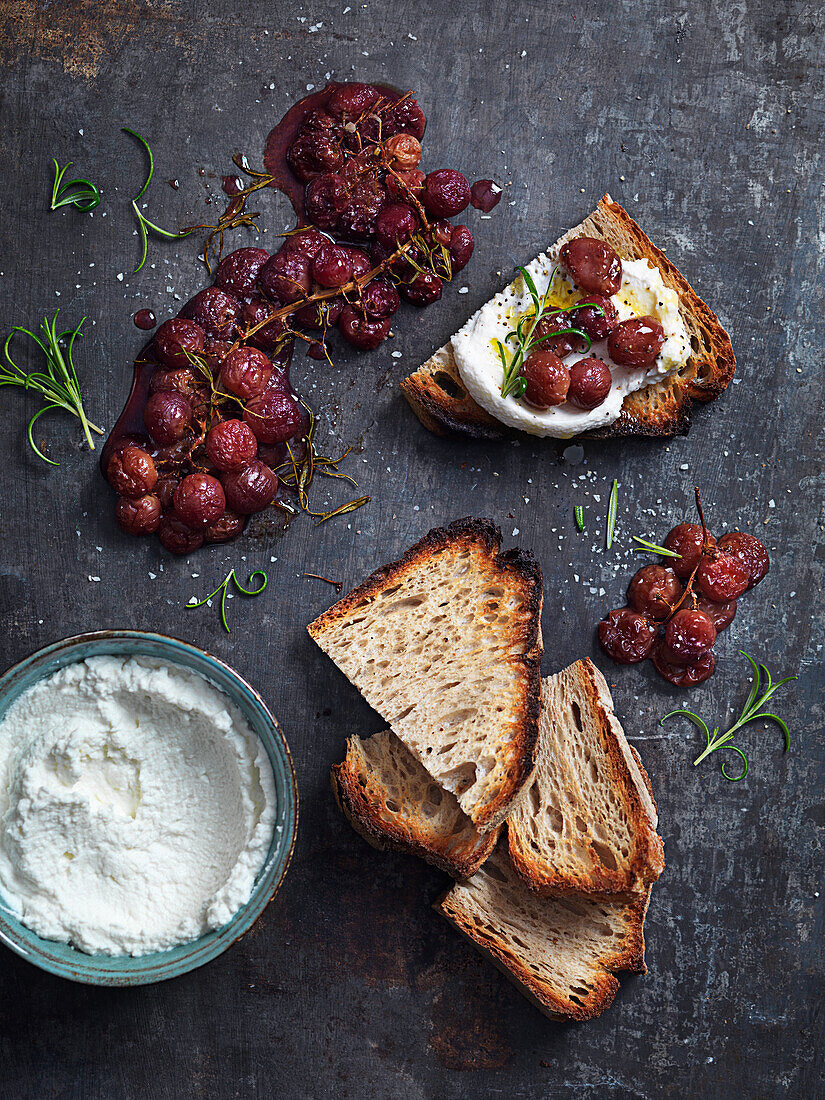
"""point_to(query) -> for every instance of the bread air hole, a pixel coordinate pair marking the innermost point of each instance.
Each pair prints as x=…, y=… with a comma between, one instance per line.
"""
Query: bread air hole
x=575, y=710
x=406, y=604
x=606, y=857
x=460, y=779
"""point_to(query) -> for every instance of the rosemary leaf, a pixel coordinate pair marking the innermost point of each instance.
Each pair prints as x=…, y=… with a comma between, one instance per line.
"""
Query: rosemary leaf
x=612, y=513
x=578, y=513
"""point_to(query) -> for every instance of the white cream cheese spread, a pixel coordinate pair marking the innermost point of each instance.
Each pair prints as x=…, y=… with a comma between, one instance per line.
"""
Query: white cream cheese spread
x=642, y=293
x=137, y=806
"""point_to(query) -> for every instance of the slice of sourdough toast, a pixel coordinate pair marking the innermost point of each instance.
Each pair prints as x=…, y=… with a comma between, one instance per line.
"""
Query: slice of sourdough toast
x=587, y=824
x=440, y=399
x=445, y=644
x=394, y=803
x=560, y=952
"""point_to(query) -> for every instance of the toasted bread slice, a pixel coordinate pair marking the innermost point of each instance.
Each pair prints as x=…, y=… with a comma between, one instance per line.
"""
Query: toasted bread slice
x=561, y=952
x=587, y=824
x=445, y=644
x=440, y=399
x=394, y=803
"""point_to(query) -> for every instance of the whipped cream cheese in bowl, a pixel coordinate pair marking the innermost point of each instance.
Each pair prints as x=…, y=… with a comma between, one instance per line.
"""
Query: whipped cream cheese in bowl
x=148, y=807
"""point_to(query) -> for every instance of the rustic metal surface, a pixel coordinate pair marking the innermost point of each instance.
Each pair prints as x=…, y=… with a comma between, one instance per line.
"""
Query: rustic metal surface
x=705, y=121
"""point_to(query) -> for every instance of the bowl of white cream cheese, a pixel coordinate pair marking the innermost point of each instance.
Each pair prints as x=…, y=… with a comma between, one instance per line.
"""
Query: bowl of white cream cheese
x=148, y=807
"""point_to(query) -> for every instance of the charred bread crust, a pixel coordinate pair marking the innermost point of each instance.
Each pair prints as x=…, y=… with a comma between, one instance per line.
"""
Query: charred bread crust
x=629, y=956
x=439, y=398
x=648, y=859
x=358, y=804
x=522, y=568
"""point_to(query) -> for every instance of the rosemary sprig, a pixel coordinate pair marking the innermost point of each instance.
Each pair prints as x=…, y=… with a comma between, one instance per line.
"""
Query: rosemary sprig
x=143, y=222
x=751, y=711
x=77, y=192
x=612, y=513
x=653, y=548
x=513, y=382
x=222, y=587
x=57, y=383
x=578, y=514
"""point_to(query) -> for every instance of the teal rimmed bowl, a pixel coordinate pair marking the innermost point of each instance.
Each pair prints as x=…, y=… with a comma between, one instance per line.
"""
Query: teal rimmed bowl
x=124, y=970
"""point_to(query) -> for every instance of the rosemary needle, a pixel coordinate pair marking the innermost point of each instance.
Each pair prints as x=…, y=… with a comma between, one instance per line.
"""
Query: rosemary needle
x=143, y=222
x=222, y=587
x=612, y=512
x=654, y=548
x=578, y=513
x=77, y=192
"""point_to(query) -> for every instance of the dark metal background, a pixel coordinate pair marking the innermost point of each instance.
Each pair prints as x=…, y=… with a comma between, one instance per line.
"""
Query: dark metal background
x=705, y=120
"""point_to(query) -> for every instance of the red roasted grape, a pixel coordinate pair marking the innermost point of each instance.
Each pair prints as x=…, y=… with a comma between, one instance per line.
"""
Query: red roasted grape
x=228, y=527
x=332, y=266
x=131, y=472
x=626, y=636
x=590, y=382
x=181, y=380
x=217, y=312
x=686, y=539
x=308, y=241
x=598, y=326
x=310, y=154
x=395, y=224
x=214, y=352
x=245, y=372
x=721, y=577
x=380, y=298
x=359, y=259
x=167, y=417
x=273, y=417
x=359, y=216
x=231, y=445
x=654, y=591
x=461, y=247
x=408, y=118
x=425, y=289
x=405, y=182
x=199, y=500
x=351, y=100
x=138, y=515
x=592, y=264
x=484, y=195
x=446, y=193
x=326, y=198
x=314, y=314
x=251, y=489
x=174, y=339
x=637, y=342
x=750, y=551
x=364, y=333
x=688, y=635
x=695, y=672
x=177, y=537
x=556, y=320
x=548, y=379
x=720, y=614
x=238, y=272
x=255, y=311
x=286, y=276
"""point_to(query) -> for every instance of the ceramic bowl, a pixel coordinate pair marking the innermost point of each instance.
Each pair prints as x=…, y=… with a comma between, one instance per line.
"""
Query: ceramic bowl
x=122, y=970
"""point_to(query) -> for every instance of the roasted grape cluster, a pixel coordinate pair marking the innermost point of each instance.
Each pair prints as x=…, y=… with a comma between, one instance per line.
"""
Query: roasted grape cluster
x=596, y=269
x=220, y=419
x=675, y=611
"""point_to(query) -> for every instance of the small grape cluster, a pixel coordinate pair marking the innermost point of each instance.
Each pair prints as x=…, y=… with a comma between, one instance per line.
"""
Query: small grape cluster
x=675, y=612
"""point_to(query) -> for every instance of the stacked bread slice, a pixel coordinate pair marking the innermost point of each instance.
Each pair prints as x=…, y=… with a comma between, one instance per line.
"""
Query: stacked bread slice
x=525, y=792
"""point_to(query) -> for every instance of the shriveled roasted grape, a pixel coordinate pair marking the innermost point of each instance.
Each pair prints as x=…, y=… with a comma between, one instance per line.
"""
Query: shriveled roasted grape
x=461, y=247
x=332, y=266
x=720, y=614
x=405, y=182
x=688, y=675
x=167, y=417
x=686, y=539
x=199, y=500
x=326, y=198
x=395, y=224
x=255, y=311
x=359, y=259
x=380, y=298
x=138, y=515
x=131, y=472
x=273, y=417
x=231, y=445
x=750, y=551
x=408, y=118
x=352, y=99
x=286, y=276
x=446, y=193
x=316, y=314
x=626, y=636
x=364, y=333
x=308, y=241
x=245, y=372
x=403, y=151
x=485, y=195
x=548, y=379
x=592, y=264
x=177, y=537
x=722, y=577
x=181, y=380
x=313, y=153
x=238, y=272
x=425, y=289
x=688, y=635
x=359, y=216
x=590, y=382
x=175, y=338
x=217, y=312
x=598, y=326
x=654, y=591
x=637, y=342
x=228, y=527
x=251, y=489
